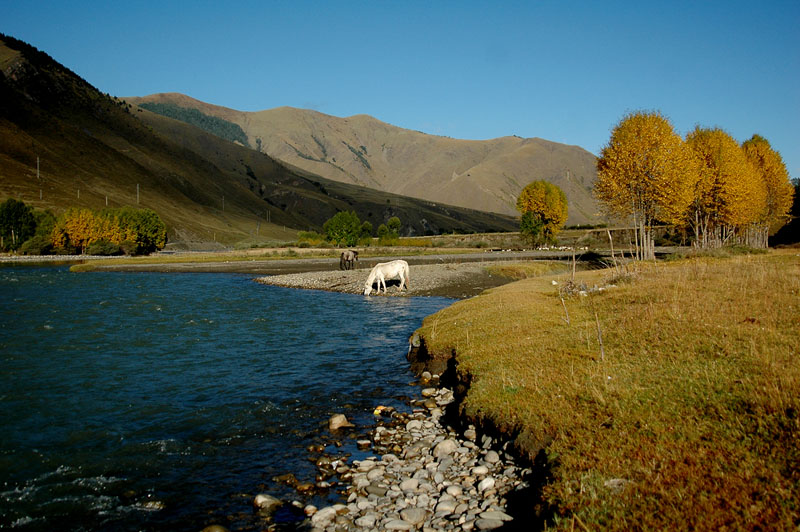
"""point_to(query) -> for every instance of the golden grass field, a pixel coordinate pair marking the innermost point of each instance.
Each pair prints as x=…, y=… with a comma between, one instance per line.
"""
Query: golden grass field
x=669, y=400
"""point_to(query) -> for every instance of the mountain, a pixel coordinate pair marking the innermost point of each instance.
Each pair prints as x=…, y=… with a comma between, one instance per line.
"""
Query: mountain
x=480, y=174
x=63, y=144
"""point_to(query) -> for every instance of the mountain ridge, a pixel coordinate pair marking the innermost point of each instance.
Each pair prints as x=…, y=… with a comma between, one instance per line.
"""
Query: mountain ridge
x=482, y=174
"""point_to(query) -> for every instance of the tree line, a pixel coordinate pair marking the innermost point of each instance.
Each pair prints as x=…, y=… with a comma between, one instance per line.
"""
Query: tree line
x=346, y=229
x=214, y=125
x=717, y=190
x=96, y=232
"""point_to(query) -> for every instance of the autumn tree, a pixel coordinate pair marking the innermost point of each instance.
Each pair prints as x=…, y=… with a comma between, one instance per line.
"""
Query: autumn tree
x=137, y=230
x=778, y=189
x=543, y=207
x=646, y=173
x=728, y=196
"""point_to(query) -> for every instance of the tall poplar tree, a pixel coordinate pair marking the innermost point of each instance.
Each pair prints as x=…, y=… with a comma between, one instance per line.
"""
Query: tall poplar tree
x=729, y=196
x=646, y=173
x=778, y=189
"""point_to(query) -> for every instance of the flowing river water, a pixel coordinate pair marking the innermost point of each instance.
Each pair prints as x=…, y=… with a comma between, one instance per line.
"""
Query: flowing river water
x=147, y=401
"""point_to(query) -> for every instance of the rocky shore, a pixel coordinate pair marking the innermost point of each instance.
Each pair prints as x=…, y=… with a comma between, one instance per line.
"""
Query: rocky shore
x=458, y=280
x=423, y=476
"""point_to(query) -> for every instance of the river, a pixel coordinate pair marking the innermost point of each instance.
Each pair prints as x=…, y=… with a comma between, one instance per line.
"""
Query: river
x=157, y=401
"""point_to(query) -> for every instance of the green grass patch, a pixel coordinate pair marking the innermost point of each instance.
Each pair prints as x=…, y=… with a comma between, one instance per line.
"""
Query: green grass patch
x=668, y=402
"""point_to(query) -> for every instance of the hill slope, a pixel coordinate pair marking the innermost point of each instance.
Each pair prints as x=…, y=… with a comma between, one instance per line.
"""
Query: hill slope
x=93, y=150
x=486, y=175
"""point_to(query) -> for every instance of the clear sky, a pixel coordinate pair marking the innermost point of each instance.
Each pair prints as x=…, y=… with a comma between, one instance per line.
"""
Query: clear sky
x=559, y=70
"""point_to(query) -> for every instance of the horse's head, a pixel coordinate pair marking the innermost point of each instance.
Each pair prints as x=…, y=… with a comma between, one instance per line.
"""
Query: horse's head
x=368, y=284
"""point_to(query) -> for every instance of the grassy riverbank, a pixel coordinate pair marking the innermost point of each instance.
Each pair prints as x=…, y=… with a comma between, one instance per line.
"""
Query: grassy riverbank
x=670, y=400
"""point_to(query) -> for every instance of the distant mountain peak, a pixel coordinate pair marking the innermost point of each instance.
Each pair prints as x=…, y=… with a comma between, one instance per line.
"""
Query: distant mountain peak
x=363, y=150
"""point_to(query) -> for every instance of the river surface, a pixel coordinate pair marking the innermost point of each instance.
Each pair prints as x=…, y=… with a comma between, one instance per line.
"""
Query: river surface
x=147, y=401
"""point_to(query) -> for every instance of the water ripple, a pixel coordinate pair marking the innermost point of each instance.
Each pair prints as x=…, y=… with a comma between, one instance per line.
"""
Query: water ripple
x=151, y=401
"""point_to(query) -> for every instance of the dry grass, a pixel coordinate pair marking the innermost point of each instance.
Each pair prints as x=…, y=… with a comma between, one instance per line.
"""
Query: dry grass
x=525, y=270
x=693, y=403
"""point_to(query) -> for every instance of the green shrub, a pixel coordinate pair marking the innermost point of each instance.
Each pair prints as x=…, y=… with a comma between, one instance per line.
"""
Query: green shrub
x=129, y=247
x=103, y=247
x=37, y=245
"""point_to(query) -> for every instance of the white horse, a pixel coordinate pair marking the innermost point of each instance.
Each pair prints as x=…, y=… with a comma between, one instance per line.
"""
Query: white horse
x=387, y=270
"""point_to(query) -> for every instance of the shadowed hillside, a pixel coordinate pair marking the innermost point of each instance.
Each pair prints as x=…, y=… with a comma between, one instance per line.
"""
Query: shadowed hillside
x=94, y=150
x=480, y=174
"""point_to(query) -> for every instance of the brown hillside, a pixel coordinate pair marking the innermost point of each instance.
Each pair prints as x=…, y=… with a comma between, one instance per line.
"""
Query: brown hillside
x=480, y=174
x=94, y=151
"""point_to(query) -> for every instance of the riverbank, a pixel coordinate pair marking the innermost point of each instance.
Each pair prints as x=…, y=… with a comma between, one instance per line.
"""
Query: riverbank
x=661, y=396
x=458, y=280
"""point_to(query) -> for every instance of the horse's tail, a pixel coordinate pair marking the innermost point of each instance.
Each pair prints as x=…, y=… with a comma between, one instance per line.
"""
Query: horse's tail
x=408, y=277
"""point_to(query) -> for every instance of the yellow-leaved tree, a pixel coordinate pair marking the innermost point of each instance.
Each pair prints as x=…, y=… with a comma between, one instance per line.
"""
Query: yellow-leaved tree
x=729, y=196
x=778, y=189
x=543, y=207
x=647, y=173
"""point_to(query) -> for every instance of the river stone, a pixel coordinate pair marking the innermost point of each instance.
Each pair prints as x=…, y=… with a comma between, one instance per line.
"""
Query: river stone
x=324, y=517
x=310, y=510
x=409, y=484
x=488, y=524
x=480, y=470
x=414, y=424
x=379, y=491
x=305, y=487
x=376, y=473
x=492, y=457
x=454, y=490
x=445, y=448
x=415, y=516
x=366, y=465
x=338, y=421
x=428, y=392
x=398, y=524
x=266, y=503
x=496, y=515
x=215, y=528
x=366, y=521
x=446, y=506
x=486, y=484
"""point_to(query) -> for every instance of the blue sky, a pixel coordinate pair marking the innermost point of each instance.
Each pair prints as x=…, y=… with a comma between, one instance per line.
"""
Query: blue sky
x=563, y=71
